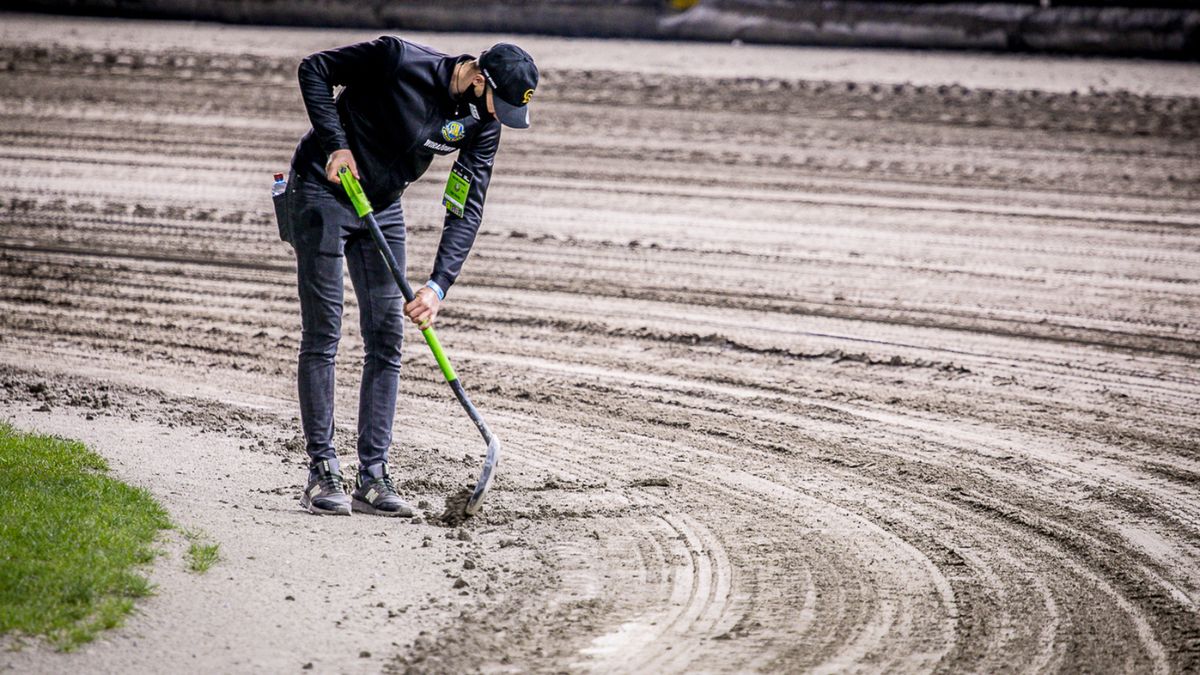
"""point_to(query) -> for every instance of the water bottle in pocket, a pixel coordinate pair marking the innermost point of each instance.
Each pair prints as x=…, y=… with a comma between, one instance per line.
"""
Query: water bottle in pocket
x=279, y=196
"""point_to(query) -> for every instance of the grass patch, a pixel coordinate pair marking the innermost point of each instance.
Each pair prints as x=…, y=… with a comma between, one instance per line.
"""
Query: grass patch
x=201, y=554
x=70, y=540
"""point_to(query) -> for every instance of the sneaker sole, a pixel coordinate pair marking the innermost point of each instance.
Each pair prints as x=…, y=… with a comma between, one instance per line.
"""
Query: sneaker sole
x=318, y=511
x=363, y=507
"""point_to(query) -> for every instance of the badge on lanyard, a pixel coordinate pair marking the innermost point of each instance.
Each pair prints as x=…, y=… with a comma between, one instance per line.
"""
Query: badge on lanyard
x=458, y=187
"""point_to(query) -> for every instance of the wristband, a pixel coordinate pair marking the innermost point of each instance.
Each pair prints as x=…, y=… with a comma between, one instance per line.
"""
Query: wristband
x=436, y=289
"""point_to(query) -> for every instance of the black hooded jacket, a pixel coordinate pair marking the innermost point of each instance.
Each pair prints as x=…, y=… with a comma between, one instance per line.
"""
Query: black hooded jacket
x=394, y=115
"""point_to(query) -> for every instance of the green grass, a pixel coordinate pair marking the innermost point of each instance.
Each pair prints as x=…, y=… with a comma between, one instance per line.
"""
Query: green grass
x=201, y=555
x=71, y=539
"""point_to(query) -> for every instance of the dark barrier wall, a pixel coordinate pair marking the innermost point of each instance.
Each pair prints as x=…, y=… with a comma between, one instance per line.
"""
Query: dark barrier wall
x=1162, y=29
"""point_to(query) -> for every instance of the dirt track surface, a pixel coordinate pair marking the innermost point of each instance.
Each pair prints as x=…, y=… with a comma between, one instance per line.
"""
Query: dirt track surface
x=792, y=375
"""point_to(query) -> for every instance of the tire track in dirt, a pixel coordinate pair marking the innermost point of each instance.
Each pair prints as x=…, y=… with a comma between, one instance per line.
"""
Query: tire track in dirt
x=1137, y=620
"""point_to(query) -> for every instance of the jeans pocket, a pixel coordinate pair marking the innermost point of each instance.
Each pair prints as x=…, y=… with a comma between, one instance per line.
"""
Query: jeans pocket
x=283, y=215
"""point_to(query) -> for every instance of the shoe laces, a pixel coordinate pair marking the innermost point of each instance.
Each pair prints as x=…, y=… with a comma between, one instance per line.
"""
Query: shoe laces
x=384, y=485
x=331, y=482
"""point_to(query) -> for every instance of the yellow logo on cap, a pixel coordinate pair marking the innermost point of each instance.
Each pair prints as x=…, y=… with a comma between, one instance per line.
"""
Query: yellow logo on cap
x=528, y=95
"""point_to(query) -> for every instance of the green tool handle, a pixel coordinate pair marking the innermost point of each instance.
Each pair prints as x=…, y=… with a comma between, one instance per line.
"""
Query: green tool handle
x=492, y=460
x=363, y=208
x=355, y=192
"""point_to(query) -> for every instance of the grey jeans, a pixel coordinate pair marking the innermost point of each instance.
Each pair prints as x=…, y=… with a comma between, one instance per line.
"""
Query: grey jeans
x=324, y=232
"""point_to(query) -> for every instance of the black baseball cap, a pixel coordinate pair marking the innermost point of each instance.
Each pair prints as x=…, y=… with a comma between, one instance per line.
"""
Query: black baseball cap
x=513, y=76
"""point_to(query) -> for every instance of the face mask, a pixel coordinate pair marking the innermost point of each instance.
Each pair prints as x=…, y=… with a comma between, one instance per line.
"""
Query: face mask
x=476, y=103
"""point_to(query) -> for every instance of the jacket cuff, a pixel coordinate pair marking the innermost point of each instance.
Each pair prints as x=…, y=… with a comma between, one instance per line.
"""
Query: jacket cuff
x=332, y=145
x=442, y=281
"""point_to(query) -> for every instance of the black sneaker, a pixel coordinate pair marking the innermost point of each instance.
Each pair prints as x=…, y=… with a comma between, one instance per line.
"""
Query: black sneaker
x=376, y=494
x=325, y=494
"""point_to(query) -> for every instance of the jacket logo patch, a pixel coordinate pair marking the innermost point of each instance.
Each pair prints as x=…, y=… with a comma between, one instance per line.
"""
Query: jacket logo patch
x=453, y=131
